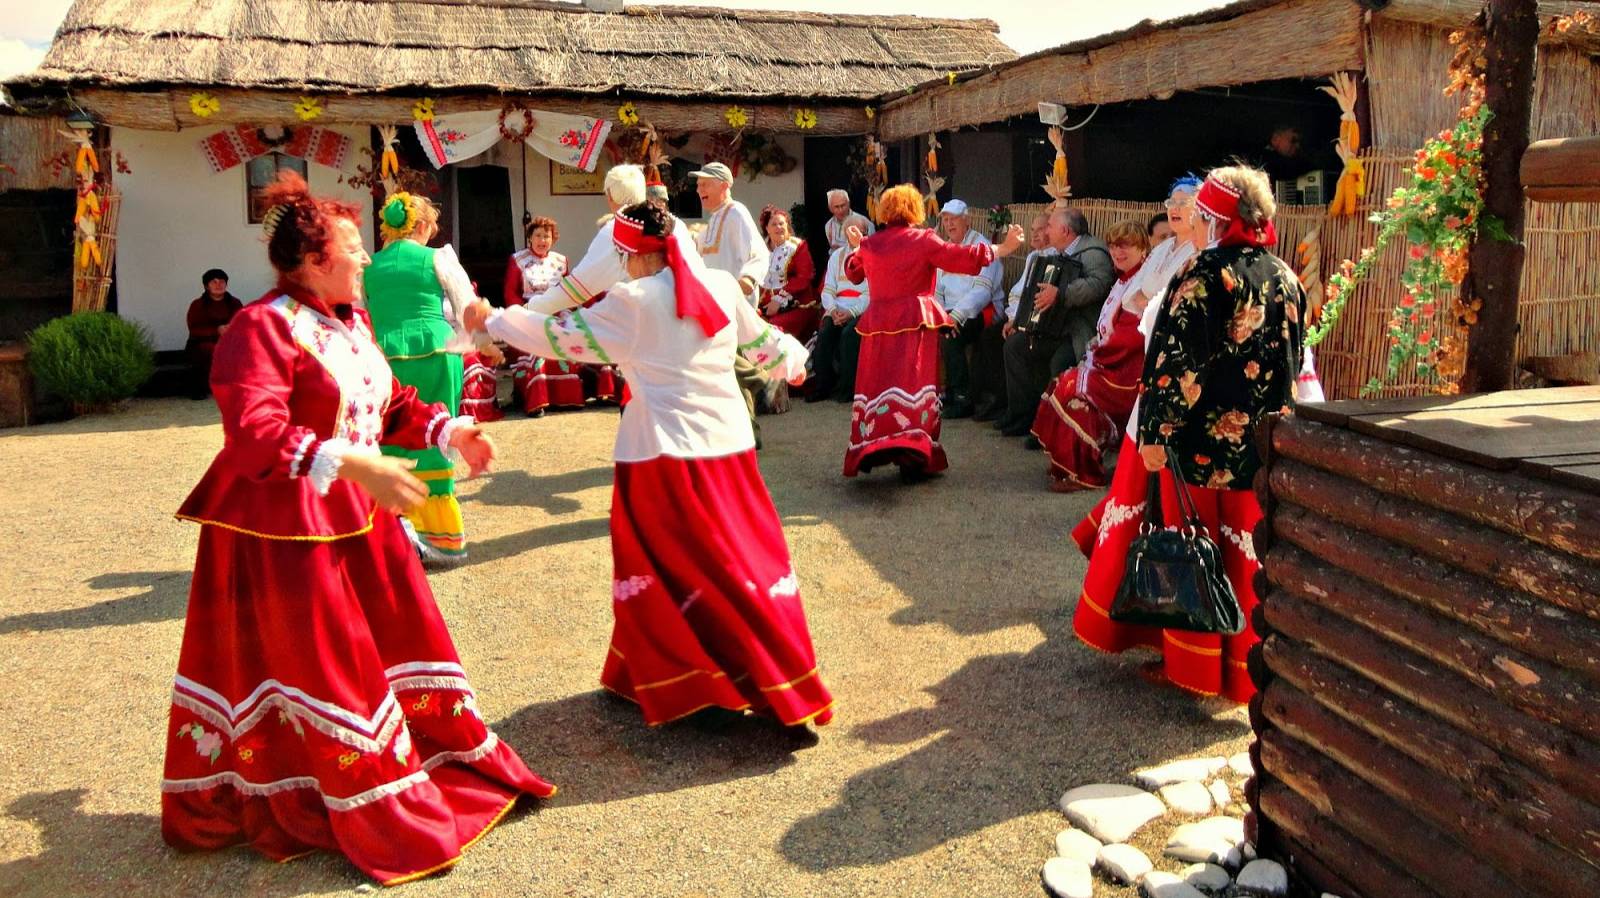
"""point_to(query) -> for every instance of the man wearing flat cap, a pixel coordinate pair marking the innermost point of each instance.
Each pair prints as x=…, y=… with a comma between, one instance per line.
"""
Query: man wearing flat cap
x=964, y=297
x=208, y=319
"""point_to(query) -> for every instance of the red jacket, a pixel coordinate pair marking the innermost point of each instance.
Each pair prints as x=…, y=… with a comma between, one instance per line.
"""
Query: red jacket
x=899, y=265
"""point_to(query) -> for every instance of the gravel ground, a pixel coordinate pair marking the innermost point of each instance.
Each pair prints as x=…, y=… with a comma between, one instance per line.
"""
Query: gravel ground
x=940, y=613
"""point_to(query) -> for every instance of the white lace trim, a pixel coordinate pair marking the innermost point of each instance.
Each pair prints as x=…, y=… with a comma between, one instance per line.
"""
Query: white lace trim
x=326, y=463
x=413, y=684
x=448, y=431
x=1116, y=515
x=1243, y=539
x=300, y=455
x=623, y=590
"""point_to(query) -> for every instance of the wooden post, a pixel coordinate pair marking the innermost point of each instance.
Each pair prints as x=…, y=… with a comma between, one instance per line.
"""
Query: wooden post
x=1495, y=265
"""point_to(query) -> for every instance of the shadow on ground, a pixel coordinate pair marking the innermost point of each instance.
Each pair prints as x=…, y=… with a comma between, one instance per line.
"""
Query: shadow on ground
x=597, y=748
x=550, y=493
x=990, y=762
x=165, y=597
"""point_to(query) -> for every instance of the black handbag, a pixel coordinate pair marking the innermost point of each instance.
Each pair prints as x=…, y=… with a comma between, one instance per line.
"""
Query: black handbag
x=1174, y=578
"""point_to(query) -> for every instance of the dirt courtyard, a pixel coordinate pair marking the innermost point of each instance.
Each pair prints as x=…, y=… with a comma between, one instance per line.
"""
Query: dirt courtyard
x=940, y=613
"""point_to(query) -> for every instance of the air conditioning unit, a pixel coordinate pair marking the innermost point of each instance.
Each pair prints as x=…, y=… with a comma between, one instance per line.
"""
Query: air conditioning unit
x=1315, y=188
x=1285, y=194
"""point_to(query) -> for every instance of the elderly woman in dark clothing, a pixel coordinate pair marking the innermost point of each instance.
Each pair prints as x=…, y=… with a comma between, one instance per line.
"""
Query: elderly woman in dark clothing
x=208, y=319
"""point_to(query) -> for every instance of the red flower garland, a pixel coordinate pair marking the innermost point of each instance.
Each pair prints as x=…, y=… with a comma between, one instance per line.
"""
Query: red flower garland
x=527, y=125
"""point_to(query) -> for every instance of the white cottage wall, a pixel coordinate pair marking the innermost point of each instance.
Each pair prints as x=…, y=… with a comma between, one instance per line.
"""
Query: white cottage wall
x=179, y=218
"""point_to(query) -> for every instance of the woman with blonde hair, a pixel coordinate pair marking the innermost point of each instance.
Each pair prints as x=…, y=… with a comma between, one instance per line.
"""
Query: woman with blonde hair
x=1224, y=352
x=895, y=418
x=415, y=295
x=1083, y=412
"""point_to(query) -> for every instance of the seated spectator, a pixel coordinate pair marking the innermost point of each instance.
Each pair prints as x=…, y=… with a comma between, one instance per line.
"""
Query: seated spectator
x=1056, y=316
x=208, y=320
x=1083, y=414
x=788, y=297
x=963, y=297
x=834, y=358
x=988, y=375
x=842, y=217
x=1159, y=229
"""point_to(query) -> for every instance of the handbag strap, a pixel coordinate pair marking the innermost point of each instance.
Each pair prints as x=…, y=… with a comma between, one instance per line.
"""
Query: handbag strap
x=1186, y=504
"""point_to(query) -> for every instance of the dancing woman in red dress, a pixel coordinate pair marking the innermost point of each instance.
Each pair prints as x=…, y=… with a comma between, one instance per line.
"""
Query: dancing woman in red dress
x=895, y=419
x=319, y=703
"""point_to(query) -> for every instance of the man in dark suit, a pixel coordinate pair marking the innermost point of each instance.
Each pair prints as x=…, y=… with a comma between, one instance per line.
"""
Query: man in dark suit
x=1056, y=317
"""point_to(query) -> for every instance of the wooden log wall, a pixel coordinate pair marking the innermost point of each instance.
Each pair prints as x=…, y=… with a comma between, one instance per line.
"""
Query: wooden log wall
x=1428, y=720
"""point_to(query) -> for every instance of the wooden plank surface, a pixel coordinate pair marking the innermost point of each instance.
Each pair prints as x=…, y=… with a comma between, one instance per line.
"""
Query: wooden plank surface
x=1552, y=433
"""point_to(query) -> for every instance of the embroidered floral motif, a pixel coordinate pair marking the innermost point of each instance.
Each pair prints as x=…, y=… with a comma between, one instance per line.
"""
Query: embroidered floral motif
x=451, y=135
x=1243, y=539
x=207, y=744
x=467, y=703
x=571, y=139
x=402, y=744
x=623, y=590
x=425, y=706
x=1116, y=515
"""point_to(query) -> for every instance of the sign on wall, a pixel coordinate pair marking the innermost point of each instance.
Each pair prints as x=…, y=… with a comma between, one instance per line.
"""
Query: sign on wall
x=567, y=180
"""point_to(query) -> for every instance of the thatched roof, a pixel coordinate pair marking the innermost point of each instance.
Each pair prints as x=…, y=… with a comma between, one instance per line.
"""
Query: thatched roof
x=516, y=46
x=1299, y=39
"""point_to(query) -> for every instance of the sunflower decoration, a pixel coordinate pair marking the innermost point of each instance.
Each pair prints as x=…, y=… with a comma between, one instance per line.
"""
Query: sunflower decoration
x=308, y=108
x=204, y=105
x=422, y=110
x=805, y=119
x=950, y=77
x=871, y=112
x=628, y=114
x=736, y=117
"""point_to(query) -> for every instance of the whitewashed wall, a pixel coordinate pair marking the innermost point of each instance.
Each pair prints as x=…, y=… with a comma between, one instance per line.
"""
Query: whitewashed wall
x=179, y=219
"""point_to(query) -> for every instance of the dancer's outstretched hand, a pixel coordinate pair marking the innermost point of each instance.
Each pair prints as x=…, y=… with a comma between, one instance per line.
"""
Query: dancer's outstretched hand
x=853, y=236
x=387, y=480
x=476, y=449
x=476, y=315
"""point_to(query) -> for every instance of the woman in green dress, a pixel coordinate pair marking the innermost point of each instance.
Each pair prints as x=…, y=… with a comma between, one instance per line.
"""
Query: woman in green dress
x=415, y=294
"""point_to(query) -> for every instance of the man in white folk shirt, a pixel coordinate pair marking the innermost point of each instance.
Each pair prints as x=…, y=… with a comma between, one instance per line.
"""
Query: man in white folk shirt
x=731, y=242
x=838, y=344
x=842, y=218
x=964, y=298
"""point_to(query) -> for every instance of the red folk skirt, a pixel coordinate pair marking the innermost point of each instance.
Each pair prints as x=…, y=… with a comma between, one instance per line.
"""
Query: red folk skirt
x=320, y=705
x=707, y=606
x=478, y=389
x=540, y=383
x=1084, y=411
x=895, y=418
x=1205, y=663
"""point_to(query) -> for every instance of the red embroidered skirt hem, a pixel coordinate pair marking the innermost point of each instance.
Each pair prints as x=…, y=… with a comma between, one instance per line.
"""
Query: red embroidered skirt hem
x=895, y=418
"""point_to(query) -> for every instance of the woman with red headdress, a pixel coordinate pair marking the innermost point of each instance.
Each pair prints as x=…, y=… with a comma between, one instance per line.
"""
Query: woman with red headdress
x=895, y=419
x=707, y=605
x=319, y=703
x=1225, y=349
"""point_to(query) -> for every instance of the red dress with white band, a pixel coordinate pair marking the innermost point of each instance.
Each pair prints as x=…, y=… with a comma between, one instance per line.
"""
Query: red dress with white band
x=707, y=604
x=319, y=703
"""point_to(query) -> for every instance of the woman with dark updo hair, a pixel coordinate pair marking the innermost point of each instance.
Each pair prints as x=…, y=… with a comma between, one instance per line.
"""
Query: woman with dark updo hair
x=707, y=605
x=319, y=702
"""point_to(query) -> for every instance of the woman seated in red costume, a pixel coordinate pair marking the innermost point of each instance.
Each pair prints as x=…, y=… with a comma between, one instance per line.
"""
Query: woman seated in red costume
x=789, y=296
x=895, y=418
x=539, y=384
x=1082, y=414
x=319, y=702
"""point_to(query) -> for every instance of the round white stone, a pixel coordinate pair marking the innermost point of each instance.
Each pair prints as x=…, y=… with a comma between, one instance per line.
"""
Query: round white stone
x=1189, y=799
x=1247, y=851
x=1161, y=884
x=1212, y=840
x=1124, y=863
x=1192, y=770
x=1068, y=878
x=1206, y=877
x=1240, y=764
x=1110, y=813
x=1220, y=794
x=1264, y=877
x=1077, y=845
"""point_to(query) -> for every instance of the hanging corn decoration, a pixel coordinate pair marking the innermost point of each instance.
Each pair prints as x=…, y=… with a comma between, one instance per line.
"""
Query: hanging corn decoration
x=933, y=152
x=88, y=202
x=389, y=166
x=88, y=246
x=872, y=205
x=1309, y=257
x=1352, y=184
x=1056, y=183
x=931, y=200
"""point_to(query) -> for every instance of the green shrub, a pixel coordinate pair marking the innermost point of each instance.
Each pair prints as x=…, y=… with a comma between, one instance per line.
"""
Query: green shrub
x=92, y=359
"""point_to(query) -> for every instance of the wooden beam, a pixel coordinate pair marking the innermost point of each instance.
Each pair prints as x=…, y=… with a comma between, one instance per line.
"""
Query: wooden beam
x=1562, y=170
x=1309, y=39
x=1494, y=274
x=169, y=110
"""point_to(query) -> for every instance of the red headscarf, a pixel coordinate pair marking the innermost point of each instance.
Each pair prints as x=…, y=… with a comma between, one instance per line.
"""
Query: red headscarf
x=1221, y=202
x=694, y=300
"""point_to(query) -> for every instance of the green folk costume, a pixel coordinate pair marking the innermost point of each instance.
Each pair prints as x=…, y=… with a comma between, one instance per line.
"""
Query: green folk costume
x=406, y=301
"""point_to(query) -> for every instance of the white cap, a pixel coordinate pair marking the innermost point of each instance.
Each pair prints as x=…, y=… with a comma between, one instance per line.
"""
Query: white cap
x=954, y=207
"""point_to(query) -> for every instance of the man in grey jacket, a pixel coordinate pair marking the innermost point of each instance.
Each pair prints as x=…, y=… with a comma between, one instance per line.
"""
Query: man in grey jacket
x=1056, y=321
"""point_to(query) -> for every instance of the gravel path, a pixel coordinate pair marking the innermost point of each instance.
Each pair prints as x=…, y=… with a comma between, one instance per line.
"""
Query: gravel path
x=940, y=614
